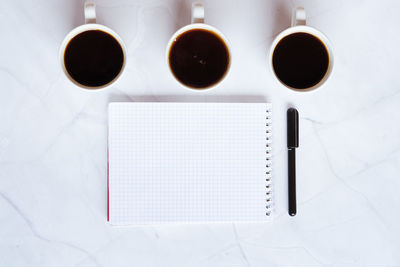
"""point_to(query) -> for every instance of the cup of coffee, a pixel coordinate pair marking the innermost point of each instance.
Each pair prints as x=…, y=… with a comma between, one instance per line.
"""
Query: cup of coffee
x=301, y=57
x=92, y=55
x=198, y=55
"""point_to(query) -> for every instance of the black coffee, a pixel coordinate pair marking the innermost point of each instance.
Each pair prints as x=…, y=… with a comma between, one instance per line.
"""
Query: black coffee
x=300, y=60
x=93, y=58
x=199, y=58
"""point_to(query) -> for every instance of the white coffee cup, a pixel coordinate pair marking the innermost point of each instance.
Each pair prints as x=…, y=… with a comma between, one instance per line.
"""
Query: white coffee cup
x=90, y=24
x=197, y=22
x=299, y=26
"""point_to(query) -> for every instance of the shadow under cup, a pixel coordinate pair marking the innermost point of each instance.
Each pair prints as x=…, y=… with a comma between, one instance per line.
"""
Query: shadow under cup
x=199, y=58
x=93, y=59
x=301, y=61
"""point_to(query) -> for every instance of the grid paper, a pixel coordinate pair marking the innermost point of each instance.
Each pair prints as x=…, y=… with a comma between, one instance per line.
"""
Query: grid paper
x=187, y=162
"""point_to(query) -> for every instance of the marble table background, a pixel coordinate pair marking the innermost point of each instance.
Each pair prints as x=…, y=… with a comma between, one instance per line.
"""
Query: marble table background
x=53, y=137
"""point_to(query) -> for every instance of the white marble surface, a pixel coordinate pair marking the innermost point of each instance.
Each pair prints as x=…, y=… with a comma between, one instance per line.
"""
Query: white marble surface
x=53, y=137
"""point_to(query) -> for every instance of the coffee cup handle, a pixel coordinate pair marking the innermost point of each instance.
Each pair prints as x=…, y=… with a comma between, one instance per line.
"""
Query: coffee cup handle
x=197, y=12
x=90, y=12
x=299, y=16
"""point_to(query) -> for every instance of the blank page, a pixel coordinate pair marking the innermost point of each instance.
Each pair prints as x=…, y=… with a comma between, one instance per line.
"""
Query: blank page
x=188, y=162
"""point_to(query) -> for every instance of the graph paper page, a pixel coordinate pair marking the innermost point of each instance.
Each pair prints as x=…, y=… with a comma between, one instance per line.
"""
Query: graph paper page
x=187, y=162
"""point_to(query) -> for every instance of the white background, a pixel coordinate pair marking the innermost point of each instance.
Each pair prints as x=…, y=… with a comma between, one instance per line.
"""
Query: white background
x=53, y=137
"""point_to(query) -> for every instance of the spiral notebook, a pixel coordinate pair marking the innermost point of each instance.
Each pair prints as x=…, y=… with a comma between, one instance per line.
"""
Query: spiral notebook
x=189, y=163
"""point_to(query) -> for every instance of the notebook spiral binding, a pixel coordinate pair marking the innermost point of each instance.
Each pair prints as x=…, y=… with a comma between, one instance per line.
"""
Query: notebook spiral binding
x=268, y=165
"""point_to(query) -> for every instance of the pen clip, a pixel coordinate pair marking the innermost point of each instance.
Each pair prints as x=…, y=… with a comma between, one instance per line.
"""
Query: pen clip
x=292, y=128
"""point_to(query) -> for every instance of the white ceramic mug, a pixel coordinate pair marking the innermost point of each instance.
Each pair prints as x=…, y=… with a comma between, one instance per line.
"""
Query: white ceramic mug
x=299, y=26
x=90, y=25
x=197, y=22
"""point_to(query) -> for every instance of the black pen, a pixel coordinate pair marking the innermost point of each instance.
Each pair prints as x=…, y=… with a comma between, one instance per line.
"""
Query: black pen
x=292, y=143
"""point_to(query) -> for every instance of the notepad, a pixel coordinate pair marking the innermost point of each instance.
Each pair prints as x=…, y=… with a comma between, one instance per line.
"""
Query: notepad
x=189, y=163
